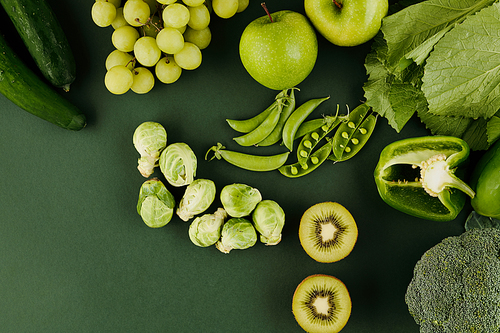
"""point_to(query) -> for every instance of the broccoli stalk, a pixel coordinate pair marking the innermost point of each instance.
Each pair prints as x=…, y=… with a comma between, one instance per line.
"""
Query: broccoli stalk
x=456, y=284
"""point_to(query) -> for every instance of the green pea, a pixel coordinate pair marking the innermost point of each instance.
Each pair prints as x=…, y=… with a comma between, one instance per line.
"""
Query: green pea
x=348, y=141
x=247, y=161
x=263, y=130
x=316, y=159
x=297, y=118
x=315, y=135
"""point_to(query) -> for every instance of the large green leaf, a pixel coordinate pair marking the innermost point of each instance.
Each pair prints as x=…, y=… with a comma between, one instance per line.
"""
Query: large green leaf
x=412, y=32
x=493, y=128
x=444, y=125
x=462, y=74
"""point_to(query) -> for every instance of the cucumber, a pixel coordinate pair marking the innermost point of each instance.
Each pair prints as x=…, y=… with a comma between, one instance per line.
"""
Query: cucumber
x=28, y=91
x=44, y=38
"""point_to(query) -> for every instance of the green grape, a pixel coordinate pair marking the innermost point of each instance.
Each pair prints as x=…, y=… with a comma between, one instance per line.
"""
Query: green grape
x=119, y=20
x=170, y=40
x=152, y=27
x=118, y=80
x=146, y=51
x=103, y=13
x=136, y=12
x=118, y=57
x=189, y=57
x=167, y=70
x=200, y=38
x=144, y=80
x=124, y=38
x=166, y=2
x=116, y=3
x=225, y=8
x=176, y=15
x=242, y=5
x=199, y=17
x=181, y=29
x=193, y=3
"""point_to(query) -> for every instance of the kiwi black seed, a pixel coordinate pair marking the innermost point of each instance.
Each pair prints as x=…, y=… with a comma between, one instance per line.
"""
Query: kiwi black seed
x=327, y=232
x=321, y=304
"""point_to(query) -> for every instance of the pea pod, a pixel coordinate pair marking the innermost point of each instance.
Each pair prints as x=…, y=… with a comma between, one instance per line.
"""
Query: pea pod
x=311, y=125
x=352, y=135
x=276, y=134
x=247, y=161
x=313, y=162
x=297, y=118
x=248, y=125
x=263, y=130
x=310, y=140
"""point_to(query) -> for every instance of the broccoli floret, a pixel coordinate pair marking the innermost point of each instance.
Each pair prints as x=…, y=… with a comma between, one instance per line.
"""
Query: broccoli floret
x=456, y=285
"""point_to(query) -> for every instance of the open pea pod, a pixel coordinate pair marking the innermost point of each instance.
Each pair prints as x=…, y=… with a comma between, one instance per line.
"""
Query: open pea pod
x=312, y=163
x=353, y=134
x=311, y=139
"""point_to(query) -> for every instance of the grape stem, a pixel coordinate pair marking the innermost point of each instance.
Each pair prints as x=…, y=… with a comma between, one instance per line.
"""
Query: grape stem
x=263, y=4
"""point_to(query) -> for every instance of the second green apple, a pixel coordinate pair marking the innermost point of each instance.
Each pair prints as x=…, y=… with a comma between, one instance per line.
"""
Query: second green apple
x=347, y=22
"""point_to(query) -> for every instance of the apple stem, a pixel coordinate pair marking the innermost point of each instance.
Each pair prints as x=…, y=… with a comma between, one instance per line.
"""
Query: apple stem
x=263, y=4
x=338, y=4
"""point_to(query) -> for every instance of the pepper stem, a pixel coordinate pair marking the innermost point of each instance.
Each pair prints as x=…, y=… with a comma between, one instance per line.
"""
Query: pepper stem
x=436, y=176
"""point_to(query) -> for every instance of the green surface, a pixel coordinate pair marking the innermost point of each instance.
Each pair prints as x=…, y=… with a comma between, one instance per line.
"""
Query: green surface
x=76, y=257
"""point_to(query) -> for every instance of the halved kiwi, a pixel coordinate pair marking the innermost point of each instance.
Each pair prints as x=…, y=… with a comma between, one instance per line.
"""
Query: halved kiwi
x=321, y=304
x=327, y=232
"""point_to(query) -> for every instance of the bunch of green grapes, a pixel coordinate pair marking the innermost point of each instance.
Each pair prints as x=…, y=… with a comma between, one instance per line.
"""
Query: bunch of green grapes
x=156, y=38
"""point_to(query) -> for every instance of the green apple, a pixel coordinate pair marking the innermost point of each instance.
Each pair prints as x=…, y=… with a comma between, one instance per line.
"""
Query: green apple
x=347, y=22
x=279, y=50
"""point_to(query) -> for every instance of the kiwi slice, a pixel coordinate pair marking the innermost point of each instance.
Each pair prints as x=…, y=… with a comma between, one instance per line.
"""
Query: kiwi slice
x=321, y=303
x=327, y=232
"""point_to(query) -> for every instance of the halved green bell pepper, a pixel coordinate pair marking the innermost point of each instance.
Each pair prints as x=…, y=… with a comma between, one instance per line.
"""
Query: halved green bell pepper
x=486, y=182
x=417, y=176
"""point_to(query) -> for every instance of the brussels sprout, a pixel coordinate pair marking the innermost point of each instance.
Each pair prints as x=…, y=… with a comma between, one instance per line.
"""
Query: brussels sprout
x=269, y=218
x=239, y=199
x=149, y=139
x=178, y=164
x=205, y=230
x=156, y=204
x=198, y=196
x=237, y=233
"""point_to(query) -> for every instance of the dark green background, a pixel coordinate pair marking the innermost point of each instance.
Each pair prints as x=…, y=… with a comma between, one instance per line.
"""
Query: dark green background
x=76, y=257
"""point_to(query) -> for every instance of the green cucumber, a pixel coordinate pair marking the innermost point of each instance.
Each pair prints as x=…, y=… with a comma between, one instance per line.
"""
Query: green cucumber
x=44, y=38
x=28, y=91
